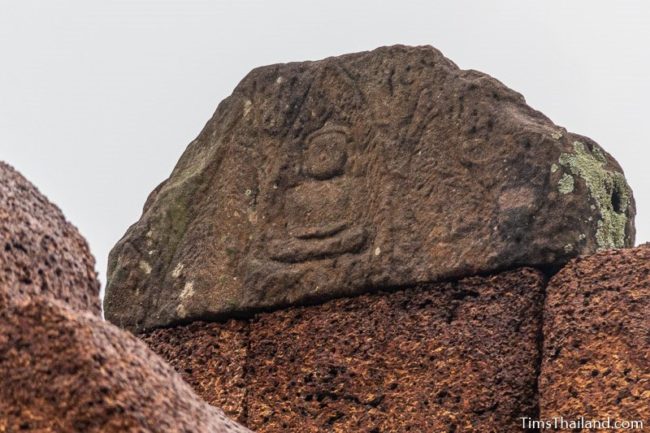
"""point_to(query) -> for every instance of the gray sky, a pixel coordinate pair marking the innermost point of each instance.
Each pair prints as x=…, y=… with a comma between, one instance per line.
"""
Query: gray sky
x=98, y=99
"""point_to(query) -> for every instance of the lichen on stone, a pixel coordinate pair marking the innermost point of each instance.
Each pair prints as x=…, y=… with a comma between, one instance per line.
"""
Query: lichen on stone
x=181, y=311
x=145, y=267
x=608, y=190
x=177, y=270
x=566, y=184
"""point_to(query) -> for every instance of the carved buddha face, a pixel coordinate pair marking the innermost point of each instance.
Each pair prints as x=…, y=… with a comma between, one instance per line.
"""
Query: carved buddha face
x=326, y=153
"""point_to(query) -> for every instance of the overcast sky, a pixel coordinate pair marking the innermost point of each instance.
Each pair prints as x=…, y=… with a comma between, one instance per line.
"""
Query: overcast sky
x=98, y=99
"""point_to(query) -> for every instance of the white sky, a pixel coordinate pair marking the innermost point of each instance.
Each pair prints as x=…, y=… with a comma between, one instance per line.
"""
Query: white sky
x=98, y=99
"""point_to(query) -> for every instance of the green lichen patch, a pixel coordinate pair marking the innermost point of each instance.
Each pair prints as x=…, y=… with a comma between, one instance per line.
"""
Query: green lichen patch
x=566, y=184
x=608, y=190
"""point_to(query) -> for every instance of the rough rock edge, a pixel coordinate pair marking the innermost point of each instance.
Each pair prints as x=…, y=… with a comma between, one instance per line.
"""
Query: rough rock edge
x=75, y=267
x=592, y=381
x=117, y=384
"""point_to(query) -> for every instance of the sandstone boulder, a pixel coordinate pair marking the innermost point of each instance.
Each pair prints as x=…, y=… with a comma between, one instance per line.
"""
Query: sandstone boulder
x=63, y=370
x=372, y=170
x=596, y=360
x=40, y=252
x=458, y=356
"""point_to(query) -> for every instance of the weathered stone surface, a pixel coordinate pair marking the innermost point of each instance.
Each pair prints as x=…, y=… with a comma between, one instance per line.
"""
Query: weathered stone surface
x=378, y=169
x=40, y=252
x=596, y=360
x=211, y=357
x=63, y=370
x=457, y=356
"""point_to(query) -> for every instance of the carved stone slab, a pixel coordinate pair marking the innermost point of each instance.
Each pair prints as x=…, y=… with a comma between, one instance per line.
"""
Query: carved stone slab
x=371, y=170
